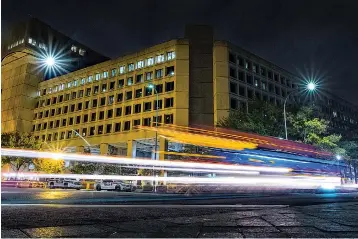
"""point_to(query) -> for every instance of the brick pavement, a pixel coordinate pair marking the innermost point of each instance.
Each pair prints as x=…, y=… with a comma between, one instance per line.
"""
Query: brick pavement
x=313, y=221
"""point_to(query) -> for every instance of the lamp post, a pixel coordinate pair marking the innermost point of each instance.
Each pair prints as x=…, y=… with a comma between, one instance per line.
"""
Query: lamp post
x=339, y=157
x=151, y=86
x=310, y=87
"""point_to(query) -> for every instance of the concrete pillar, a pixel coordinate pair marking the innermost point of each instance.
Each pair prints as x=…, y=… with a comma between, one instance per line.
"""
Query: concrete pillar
x=80, y=149
x=131, y=148
x=163, y=147
x=103, y=148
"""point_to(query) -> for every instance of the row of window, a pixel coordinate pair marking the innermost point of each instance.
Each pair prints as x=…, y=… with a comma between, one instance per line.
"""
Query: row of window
x=15, y=44
x=238, y=104
x=137, y=108
x=247, y=92
x=114, y=72
x=120, y=97
x=108, y=128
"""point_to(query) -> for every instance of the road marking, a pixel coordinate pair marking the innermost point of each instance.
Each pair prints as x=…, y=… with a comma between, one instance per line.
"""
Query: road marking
x=145, y=205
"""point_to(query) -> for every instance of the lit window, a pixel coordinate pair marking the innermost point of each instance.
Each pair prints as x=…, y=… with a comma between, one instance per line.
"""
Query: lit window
x=149, y=76
x=168, y=119
x=38, y=93
x=334, y=114
x=50, y=90
x=130, y=67
x=159, y=58
x=150, y=61
x=74, y=48
x=62, y=86
x=82, y=52
x=122, y=69
x=130, y=81
x=140, y=64
x=114, y=71
x=98, y=76
x=170, y=55
x=75, y=83
x=32, y=41
x=42, y=46
x=55, y=88
x=90, y=78
x=69, y=84
x=83, y=81
x=105, y=74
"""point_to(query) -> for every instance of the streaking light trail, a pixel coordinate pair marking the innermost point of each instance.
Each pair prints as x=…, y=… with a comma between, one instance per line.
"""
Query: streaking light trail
x=273, y=181
x=136, y=161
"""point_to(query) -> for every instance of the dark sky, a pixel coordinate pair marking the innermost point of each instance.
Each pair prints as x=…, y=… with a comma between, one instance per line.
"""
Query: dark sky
x=314, y=37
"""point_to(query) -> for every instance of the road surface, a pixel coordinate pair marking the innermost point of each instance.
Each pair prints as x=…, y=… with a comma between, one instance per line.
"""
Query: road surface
x=66, y=213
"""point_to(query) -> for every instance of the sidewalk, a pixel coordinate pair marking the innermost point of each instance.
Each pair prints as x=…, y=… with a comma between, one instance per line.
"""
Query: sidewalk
x=314, y=221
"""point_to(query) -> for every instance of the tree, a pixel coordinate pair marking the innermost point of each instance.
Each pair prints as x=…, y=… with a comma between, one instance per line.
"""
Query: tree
x=19, y=141
x=49, y=165
x=262, y=118
x=351, y=150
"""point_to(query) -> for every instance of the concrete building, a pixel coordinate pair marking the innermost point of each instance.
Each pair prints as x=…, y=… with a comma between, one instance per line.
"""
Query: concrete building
x=193, y=81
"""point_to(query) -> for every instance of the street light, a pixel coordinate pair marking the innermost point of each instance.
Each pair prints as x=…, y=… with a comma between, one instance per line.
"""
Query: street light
x=311, y=86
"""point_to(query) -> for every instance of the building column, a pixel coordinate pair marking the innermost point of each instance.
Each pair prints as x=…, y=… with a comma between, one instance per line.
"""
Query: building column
x=131, y=149
x=163, y=147
x=103, y=148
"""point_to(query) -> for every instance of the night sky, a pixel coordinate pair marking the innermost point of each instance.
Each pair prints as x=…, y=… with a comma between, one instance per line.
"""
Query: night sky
x=314, y=37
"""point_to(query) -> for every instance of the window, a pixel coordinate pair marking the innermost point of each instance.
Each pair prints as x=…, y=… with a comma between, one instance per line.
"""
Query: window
x=249, y=79
x=136, y=122
x=140, y=64
x=40, y=115
x=159, y=103
x=46, y=113
x=275, y=77
x=111, y=85
x=86, y=104
x=95, y=89
x=168, y=119
x=137, y=108
x=158, y=73
x=45, y=126
x=104, y=87
x=57, y=124
x=51, y=125
x=110, y=99
x=148, y=91
x=103, y=101
x=120, y=83
x=98, y=76
x=117, y=127
x=139, y=78
x=109, y=114
x=138, y=93
x=67, y=97
x=55, y=136
x=65, y=109
x=169, y=102
x=169, y=86
x=60, y=99
x=72, y=108
x=146, y=121
x=130, y=81
x=105, y=74
x=93, y=117
x=79, y=106
x=233, y=87
x=264, y=85
x=85, y=118
x=233, y=103
x=90, y=79
x=150, y=61
x=113, y=72
x=127, y=125
x=169, y=71
x=255, y=68
x=48, y=101
x=277, y=90
x=64, y=122
x=155, y=121
x=88, y=91
x=257, y=95
x=78, y=119
x=83, y=81
x=262, y=71
x=120, y=97
x=128, y=110
x=128, y=95
x=108, y=128
x=159, y=58
x=170, y=55
x=270, y=88
x=269, y=74
x=92, y=130
x=122, y=69
x=80, y=93
x=101, y=115
x=131, y=67
x=62, y=136
x=241, y=76
x=232, y=72
x=256, y=82
x=232, y=58
x=54, y=100
x=250, y=94
x=149, y=76
x=94, y=103
x=159, y=88
x=118, y=111
x=58, y=111
x=100, y=129
x=248, y=65
x=84, y=132
x=52, y=112
x=147, y=106
x=82, y=52
x=70, y=121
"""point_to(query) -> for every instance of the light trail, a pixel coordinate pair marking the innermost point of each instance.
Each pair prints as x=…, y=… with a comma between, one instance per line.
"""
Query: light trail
x=254, y=181
x=135, y=161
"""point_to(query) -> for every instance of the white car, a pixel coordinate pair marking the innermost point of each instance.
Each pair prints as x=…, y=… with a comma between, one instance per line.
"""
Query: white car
x=64, y=183
x=113, y=185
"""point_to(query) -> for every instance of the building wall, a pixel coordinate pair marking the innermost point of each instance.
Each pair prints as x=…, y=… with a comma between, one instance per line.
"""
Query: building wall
x=19, y=83
x=180, y=95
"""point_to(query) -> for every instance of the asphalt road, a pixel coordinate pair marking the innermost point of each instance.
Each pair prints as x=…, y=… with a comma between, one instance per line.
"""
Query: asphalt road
x=67, y=213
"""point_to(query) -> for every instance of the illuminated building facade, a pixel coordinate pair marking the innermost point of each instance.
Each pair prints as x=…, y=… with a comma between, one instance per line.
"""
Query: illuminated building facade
x=184, y=82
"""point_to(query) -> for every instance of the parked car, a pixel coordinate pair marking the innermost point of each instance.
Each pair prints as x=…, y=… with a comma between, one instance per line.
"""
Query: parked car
x=113, y=185
x=64, y=183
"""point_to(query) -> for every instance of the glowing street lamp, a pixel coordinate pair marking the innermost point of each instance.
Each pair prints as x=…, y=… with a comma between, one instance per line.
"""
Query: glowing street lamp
x=50, y=61
x=311, y=86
